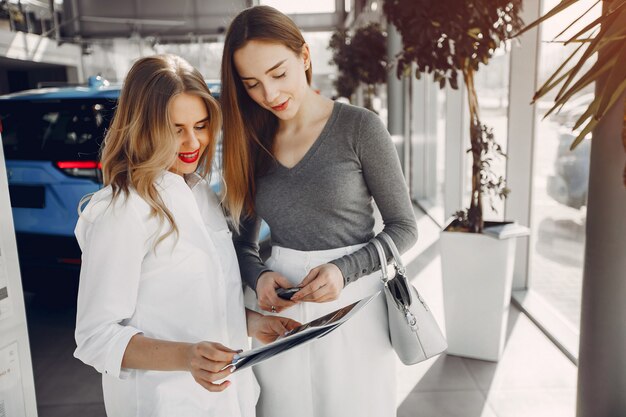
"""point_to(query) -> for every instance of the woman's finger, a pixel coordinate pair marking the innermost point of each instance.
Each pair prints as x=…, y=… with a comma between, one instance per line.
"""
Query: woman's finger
x=209, y=386
x=215, y=367
x=289, y=323
x=309, y=277
x=310, y=292
x=216, y=352
x=213, y=376
x=316, y=280
x=200, y=363
x=266, y=293
x=282, y=281
x=221, y=347
x=326, y=298
x=279, y=304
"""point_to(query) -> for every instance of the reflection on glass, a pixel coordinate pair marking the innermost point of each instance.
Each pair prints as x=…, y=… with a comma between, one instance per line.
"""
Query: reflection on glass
x=560, y=177
x=428, y=137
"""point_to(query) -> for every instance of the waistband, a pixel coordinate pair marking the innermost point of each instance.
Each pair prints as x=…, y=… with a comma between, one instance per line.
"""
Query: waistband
x=320, y=255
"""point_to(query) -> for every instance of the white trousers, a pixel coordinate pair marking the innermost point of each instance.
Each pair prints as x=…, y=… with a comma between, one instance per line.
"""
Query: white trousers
x=349, y=372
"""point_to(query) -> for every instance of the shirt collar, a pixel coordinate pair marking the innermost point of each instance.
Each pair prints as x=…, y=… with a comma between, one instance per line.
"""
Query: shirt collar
x=191, y=180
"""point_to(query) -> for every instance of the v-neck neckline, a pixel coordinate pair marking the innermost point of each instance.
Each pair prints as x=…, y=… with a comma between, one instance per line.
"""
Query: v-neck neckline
x=316, y=144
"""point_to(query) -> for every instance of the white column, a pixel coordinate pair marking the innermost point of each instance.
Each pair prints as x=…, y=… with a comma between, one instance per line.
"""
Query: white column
x=602, y=357
x=521, y=137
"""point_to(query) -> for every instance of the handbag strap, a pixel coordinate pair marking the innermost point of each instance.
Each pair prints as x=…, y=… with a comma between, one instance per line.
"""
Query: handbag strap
x=403, y=285
x=397, y=259
x=383, y=260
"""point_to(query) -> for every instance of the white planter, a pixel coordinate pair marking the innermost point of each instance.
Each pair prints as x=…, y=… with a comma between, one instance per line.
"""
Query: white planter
x=477, y=278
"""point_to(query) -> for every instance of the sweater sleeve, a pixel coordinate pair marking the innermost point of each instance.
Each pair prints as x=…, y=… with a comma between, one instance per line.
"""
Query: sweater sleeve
x=383, y=175
x=246, y=243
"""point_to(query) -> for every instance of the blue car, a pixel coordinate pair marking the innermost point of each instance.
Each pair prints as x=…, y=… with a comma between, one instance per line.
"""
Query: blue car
x=51, y=139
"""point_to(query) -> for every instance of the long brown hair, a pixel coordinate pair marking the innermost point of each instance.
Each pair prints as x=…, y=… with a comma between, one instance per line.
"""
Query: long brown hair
x=247, y=146
x=140, y=143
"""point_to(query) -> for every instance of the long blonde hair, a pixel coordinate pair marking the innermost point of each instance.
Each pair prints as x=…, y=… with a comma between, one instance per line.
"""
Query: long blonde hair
x=140, y=143
x=247, y=145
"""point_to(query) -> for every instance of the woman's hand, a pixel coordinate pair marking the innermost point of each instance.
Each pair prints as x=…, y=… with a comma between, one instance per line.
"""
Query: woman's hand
x=266, y=329
x=322, y=284
x=206, y=362
x=266, y=287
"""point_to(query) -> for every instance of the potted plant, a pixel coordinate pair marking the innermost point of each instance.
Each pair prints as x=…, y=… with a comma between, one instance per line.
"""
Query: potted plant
x=360, y=58
x=446, y=38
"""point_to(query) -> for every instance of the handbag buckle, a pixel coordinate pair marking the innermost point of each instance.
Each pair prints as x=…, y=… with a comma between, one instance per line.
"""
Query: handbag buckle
x=400, y=269
x=410, y=319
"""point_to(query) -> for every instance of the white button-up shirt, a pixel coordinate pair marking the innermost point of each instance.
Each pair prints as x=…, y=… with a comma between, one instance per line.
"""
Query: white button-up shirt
x=188, y=289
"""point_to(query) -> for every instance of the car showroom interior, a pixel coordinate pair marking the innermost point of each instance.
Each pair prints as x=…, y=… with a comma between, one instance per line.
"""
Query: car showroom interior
x=505, y=122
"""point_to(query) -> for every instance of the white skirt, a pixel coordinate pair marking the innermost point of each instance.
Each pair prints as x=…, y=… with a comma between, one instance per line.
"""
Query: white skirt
x=349, y=372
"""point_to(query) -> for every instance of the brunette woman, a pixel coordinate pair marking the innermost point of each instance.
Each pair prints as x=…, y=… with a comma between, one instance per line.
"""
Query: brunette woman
x=312, y=169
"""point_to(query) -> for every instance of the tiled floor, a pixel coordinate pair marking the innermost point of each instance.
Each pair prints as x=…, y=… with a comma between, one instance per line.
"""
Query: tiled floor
x=533, y=378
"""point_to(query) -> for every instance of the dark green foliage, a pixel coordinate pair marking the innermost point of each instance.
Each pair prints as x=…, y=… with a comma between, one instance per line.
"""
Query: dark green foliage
x=361, y=58
x=369, y=46
x=345, y=85
x=346, y=81
x=446, y=36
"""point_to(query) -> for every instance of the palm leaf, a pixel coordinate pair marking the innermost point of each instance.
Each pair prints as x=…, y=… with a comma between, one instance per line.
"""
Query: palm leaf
x=603, y=63
x=597, y=22
x=549, y=84
x=591, y=110
x=577, y=19
x=615, y=81
x=590, y=126
x=602, y=20
x=609, y=44
x=547, y=88
x=564, y=4
x=589, y=77
x=593, y=47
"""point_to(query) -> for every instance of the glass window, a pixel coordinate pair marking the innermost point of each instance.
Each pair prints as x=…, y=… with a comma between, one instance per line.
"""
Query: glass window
x=560, y=177
x=492, y=87
x=72, y=129
x=297, y=7
x=428, y=142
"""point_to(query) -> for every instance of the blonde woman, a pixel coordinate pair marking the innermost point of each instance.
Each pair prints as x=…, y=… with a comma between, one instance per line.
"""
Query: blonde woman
x=160, y=304
x=311, y=168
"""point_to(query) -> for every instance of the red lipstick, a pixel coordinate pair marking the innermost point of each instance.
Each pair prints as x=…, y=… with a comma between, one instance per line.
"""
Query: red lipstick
x=189, y=157
x=282, y=106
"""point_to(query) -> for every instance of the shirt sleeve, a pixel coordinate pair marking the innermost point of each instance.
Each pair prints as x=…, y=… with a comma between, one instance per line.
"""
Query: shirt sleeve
x=246, y=243
x=383, y=175
x=114, y=243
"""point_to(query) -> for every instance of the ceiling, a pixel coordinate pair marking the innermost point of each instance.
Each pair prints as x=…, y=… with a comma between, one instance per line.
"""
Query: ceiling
x=167, y=20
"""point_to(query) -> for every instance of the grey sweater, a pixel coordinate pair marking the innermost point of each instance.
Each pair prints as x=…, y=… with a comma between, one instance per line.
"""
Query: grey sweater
x=325, y=200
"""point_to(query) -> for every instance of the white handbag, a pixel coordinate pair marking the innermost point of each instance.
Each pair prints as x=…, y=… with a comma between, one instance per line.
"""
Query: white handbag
x=415, y=335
